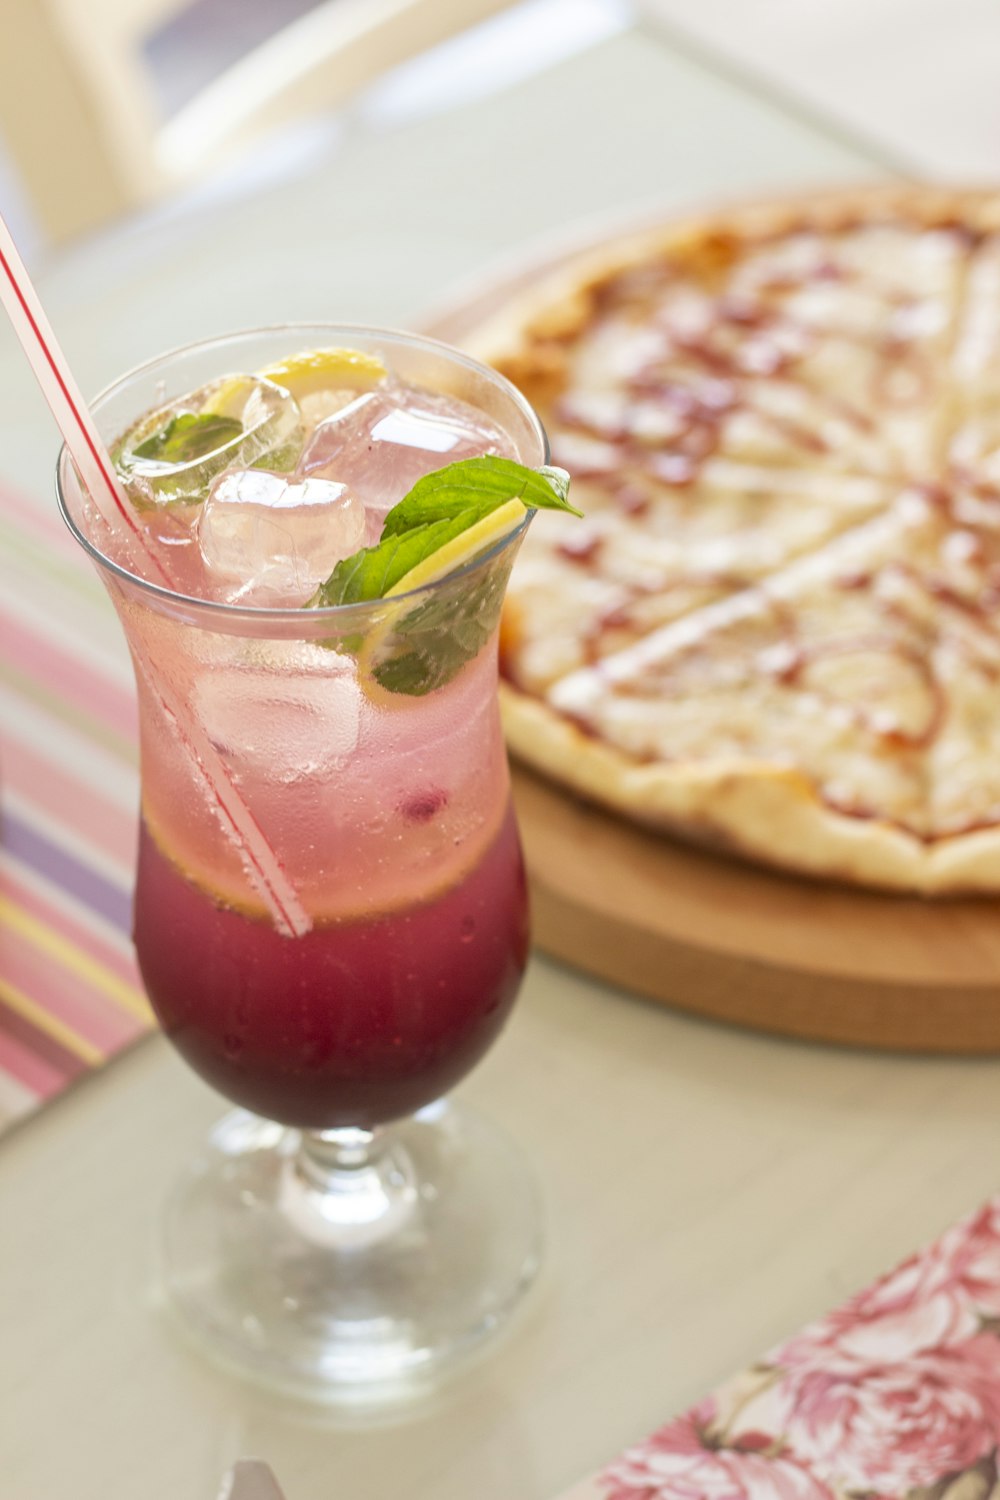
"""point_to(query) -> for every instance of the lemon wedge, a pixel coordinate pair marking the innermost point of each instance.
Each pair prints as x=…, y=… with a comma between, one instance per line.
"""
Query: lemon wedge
x=462, y=548
x=318, y=369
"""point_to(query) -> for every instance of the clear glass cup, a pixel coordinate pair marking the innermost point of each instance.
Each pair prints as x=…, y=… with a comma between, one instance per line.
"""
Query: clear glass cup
x=345, y=1234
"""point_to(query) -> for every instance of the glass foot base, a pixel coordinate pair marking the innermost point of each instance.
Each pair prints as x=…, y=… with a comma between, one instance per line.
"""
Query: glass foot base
x=358, y=1283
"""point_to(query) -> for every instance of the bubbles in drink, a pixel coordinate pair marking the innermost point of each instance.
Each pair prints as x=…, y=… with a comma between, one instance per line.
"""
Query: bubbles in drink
x=173, y=454
x=269, y=540
x=386, y=439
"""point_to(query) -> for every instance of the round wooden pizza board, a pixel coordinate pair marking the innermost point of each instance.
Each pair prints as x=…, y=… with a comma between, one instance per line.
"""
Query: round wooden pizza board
x=728, y=940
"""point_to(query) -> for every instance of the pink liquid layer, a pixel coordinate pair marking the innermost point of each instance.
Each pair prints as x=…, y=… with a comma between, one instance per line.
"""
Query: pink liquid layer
x=357, y=1022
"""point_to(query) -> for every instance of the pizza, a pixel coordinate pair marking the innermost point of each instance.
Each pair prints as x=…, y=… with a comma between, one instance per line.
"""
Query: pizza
x=777, y=629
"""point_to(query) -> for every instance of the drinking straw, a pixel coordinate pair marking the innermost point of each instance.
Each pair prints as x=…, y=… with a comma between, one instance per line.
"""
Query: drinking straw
x=60, y=390
x=93, y=463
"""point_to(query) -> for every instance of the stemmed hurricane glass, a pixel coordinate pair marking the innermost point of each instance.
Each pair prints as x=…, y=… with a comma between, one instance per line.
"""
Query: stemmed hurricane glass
x=346, y=1233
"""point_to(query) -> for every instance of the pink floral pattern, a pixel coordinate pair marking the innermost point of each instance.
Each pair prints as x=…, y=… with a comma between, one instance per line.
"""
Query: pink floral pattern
x=895, y=1392
x=683, y=1460
x=895, y=1426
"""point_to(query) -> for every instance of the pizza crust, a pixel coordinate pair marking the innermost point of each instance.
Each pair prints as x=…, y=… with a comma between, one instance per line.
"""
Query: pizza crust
x=763, y=813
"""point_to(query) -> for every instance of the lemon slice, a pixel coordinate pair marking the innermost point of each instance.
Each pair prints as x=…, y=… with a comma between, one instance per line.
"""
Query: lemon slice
x=318, y=369
x=228, y=397
x=461, y=549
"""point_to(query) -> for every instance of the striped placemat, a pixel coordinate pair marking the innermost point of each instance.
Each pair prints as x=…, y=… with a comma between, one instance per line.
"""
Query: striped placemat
x=70, y=995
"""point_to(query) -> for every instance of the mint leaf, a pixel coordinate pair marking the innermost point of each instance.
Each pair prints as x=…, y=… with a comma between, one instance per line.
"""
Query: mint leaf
x=434, y=641
x=189, y=436
x=480, y=485
x=371, y=573
x=431, y=641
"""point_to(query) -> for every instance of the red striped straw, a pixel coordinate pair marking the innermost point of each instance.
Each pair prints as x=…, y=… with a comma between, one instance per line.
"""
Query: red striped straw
x=20, y=300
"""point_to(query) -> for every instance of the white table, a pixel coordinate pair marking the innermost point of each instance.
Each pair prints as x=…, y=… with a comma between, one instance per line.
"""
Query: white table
x=707, y=1190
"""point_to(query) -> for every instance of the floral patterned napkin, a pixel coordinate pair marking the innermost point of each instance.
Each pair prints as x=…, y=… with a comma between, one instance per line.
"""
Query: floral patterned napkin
x=897, y=1393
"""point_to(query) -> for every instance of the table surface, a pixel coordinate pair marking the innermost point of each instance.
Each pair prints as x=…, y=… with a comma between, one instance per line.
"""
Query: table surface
x=707, y=1191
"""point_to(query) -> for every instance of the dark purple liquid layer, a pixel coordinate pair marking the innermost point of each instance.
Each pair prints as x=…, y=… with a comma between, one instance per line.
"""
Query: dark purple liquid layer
x=357, y=1022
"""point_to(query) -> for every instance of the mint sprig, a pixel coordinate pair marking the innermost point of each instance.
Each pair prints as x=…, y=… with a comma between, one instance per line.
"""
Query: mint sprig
x=372, y=572
x=435, y=637
x=440, y=506
x=189, y=436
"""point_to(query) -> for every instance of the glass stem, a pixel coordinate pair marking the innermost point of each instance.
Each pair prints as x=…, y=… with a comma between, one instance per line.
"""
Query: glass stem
x=327, y=1156
x=350, y=1187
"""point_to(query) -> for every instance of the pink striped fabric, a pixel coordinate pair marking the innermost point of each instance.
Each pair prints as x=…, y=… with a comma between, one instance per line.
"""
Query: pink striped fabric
x=70, y=995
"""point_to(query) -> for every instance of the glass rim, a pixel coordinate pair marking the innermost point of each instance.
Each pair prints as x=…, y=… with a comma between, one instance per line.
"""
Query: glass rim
x=258, y=614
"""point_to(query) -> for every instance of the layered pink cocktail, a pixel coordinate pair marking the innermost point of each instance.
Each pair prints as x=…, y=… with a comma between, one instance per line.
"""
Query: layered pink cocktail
x=389, y=809
x=331, y=914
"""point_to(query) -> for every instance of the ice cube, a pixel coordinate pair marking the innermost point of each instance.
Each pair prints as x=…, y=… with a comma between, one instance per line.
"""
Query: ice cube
x=270, y=540
x=385, y=440
x=289, y=710
x=172, y=455
x=316, y=406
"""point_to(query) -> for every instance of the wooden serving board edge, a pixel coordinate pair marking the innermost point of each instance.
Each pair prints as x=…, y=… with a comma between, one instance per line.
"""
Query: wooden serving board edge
x=792, y=989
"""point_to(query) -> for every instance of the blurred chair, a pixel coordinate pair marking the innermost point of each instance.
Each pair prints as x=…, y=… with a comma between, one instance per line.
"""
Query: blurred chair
x=79, y=111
